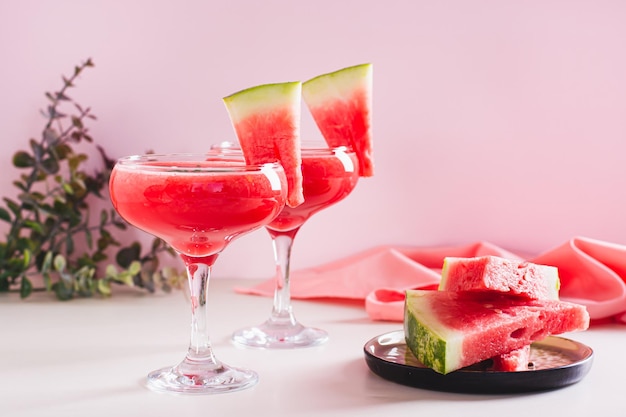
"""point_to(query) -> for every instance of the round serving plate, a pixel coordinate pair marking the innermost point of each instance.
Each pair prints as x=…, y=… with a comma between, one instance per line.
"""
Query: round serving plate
x=555, y=362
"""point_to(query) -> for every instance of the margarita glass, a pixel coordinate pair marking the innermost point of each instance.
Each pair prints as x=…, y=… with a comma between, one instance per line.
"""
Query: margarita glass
x=197, y=203
x=329, y=175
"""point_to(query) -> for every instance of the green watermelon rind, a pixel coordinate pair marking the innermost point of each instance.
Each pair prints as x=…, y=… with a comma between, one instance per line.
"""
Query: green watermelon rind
x=433, y=345
x=336, y=84
x=263, y=98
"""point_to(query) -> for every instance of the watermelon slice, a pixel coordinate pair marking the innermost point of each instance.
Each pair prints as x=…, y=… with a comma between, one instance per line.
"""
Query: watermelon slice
x=492, y=273
x=341, y=105
x=266, y=119
x=449, y=330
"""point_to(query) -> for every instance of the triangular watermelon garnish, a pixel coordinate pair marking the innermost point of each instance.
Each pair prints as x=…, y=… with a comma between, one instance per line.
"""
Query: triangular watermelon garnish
x=341, y=105
x=266, y=119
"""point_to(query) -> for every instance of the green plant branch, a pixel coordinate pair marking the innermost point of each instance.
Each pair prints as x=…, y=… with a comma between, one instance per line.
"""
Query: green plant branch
x=52, y=211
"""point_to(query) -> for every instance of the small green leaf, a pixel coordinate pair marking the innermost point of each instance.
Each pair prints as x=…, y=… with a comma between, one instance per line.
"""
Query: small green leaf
x=22, y=159
x=76, y=136
x=63, y=291
x=50, y=136
x=38, y=150
x=77, y=122
x=13, y=206
x=27, y=258
x=4, y=284
x=59, y=263
x=47, y=281
x=62, y=150
x=79, y=187
x=26, y=287
x=119, y=224
x=47, y=262
x=111, y=271
x=125, y=278
x=69, y=244
x=127, y=255
x=104, y=287
x=21, y=185
x=23, y=244
x=50, y=166
x=134, y=268
x=156, y=244
x=76, y=160
x=5, y=215
x=37, y=227
x=99, y=257
x=104, y=218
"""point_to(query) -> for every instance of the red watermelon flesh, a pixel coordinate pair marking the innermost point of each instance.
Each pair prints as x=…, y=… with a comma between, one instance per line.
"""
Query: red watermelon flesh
x=448, y=330
x=493, y=273
x=266, y=119
x=341, y=105
x=513, y=361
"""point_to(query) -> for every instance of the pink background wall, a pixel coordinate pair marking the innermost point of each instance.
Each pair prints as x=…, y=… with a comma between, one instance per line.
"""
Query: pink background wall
x=494, y=120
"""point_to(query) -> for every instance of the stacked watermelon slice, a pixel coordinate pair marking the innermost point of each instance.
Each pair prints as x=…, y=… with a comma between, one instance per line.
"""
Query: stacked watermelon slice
x=487, y=308
x=266, y=119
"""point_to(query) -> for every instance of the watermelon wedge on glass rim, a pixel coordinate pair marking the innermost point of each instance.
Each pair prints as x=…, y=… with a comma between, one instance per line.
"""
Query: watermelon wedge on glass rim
x=341, y=105
x=266, y=119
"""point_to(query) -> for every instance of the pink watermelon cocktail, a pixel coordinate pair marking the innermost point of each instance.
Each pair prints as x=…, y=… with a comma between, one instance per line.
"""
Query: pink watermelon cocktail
x=328, y=176
x=197, y=203
x=196, y=211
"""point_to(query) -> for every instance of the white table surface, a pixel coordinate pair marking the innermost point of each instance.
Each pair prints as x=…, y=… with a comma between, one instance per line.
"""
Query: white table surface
x=89, y=357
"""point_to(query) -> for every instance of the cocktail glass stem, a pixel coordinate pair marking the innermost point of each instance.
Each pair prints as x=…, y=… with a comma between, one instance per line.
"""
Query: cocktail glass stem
x=282, y=313
x=200, y=369
x=281, y=329
x=200, y=351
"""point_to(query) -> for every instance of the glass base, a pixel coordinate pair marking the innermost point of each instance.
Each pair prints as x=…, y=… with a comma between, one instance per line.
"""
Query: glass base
x=270, y=335
x=221, y=380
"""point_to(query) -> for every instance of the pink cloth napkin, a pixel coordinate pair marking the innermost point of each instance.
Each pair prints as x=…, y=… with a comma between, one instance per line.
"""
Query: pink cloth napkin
x=592, y=273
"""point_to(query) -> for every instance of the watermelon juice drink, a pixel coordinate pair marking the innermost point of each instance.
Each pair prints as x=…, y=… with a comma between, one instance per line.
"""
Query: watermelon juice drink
x=196, y=211
x=328, y=176
x=197, y=204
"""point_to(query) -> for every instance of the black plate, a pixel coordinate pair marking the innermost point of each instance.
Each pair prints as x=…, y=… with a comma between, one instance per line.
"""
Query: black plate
x=557, y=362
